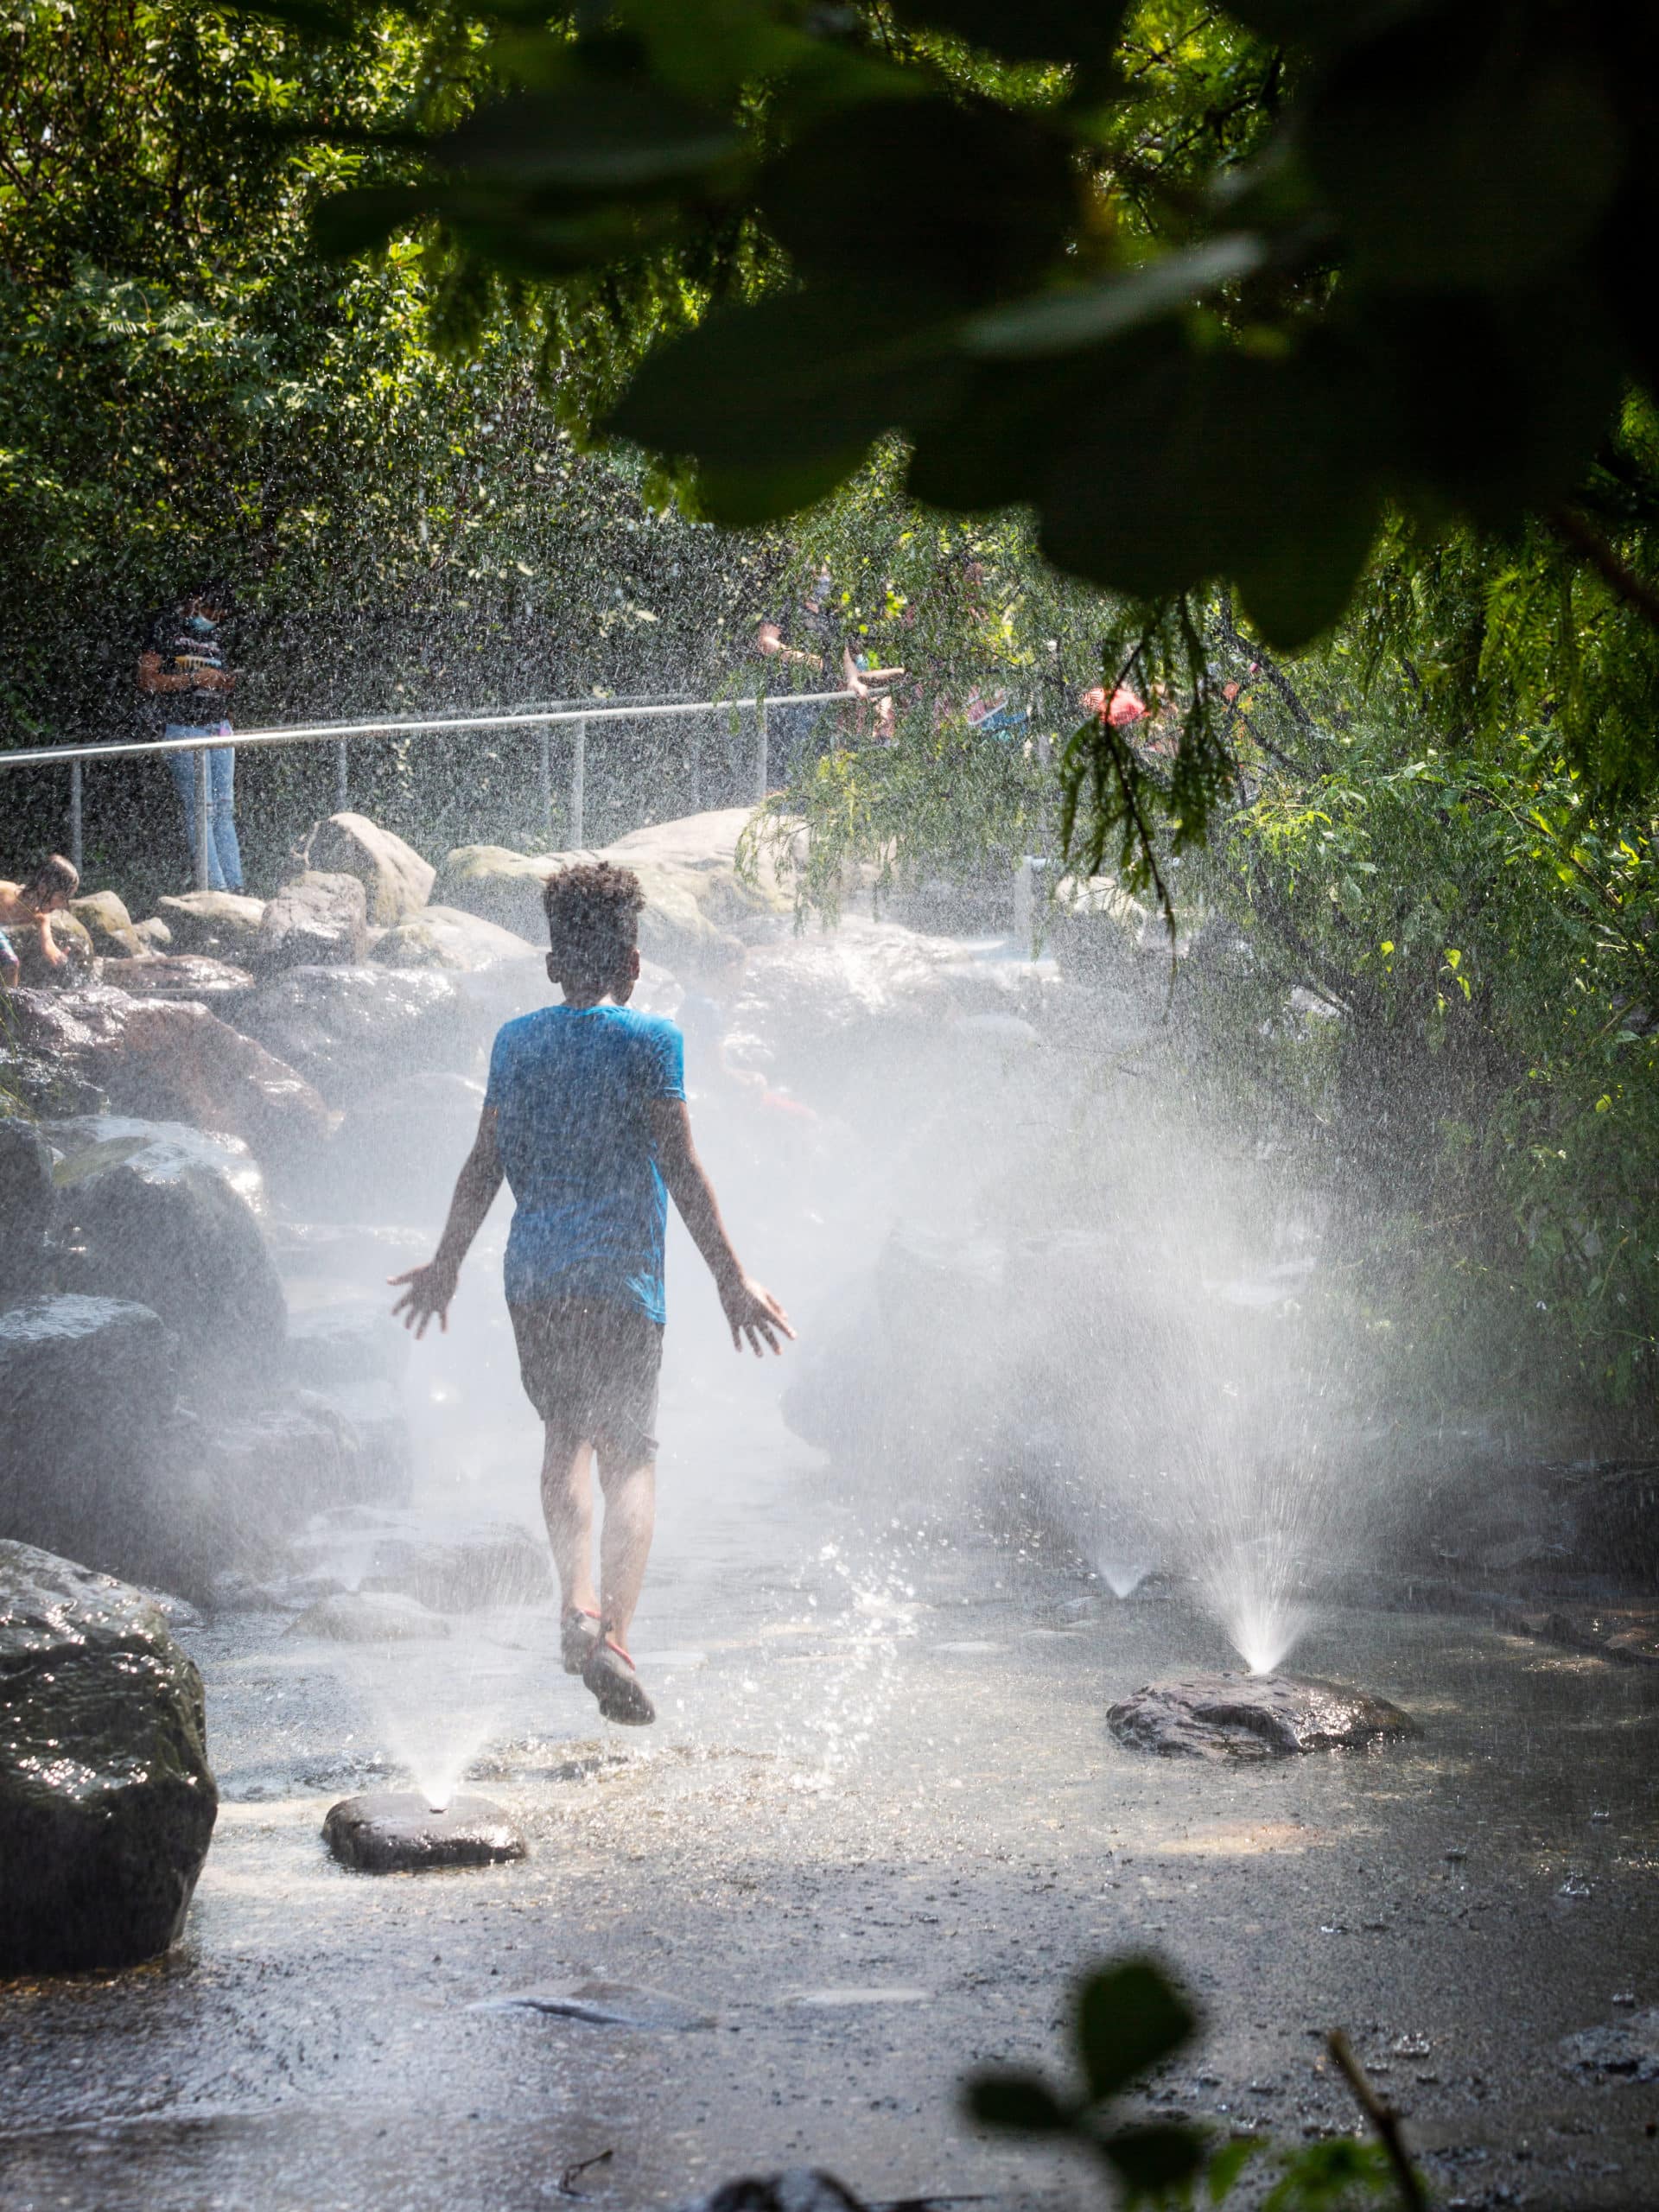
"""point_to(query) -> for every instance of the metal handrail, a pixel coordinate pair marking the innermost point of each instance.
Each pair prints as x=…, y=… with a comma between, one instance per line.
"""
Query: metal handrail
x=52, y=756
x=341, y=733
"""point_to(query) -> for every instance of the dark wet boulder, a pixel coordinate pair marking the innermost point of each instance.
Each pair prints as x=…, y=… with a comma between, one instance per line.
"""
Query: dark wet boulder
x=397, y=1832
x=316, y=921
x=27, y=1200
x=182, y=975
x=107, y=1802
x=153, y=1212
x=352, y=1031
x=221, y=923
x=396, y=882
x=104, y=916
x=1250, y=1716
x=171, y=1062
x=87, y=1389
x=396, y=1155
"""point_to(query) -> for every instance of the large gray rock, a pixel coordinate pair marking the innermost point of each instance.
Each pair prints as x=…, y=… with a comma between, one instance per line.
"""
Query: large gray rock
x=316, y=921
x=221, y=923
x=172, y=1062
x=369, y=1617
x=104, y=916
x=26, y=1203
x=87, y=1387
x=694, y=889
x=350, y=1342
x=445, y=937
x=396, y=1155
x=1252, y=1717
x=396, y=881
x=265, y=1472
x=455, y=1566
x=156, y=1214
x=352, y=1031
x=106, y=1800
x=84, y=1143
x=73, y=938
x=182, y=975
x=153, y=934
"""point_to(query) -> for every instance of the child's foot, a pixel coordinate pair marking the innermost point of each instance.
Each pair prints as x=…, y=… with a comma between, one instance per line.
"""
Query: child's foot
x=609, y=1674
x=578, y=1634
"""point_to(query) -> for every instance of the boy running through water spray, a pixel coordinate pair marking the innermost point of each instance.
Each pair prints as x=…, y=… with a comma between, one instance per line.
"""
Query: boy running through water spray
x=585, y=1116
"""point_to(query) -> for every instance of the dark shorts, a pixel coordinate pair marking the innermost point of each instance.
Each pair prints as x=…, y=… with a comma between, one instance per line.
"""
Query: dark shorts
x=589, y=1368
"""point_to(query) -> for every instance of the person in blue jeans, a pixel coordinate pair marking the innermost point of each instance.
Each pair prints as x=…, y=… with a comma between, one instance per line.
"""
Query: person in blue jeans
x=186, y=686
x=585, y=1117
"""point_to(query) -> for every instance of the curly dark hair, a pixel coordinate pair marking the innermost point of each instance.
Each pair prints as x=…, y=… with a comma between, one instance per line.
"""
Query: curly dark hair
x=593, y=919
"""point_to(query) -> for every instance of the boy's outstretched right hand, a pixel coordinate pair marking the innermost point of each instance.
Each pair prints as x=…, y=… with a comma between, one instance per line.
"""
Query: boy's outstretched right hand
x=753, y=1315
x=429, y=1292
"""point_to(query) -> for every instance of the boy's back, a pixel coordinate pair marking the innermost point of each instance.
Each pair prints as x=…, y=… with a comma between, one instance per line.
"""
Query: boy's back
x=572, y=1089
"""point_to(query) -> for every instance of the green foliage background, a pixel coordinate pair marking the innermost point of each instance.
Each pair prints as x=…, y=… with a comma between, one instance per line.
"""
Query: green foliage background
x=720, y=230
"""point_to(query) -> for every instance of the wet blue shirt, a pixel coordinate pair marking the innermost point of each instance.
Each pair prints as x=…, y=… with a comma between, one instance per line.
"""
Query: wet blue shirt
x=572, y=1093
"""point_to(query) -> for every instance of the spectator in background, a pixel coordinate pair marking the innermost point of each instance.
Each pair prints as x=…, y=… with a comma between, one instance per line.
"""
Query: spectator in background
x=185, y=685
x=25, y=912
x=1123, y=708
x=807, y=635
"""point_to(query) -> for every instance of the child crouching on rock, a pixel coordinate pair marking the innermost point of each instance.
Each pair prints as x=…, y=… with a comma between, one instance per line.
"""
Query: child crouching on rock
x=585, y=1116
x=25, y=912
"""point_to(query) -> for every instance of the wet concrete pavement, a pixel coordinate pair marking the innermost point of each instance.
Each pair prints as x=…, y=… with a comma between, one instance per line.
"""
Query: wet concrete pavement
x=879, y=1826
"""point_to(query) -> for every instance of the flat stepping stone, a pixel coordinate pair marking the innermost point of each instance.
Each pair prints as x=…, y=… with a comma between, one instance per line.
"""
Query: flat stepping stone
x=397, y=1832
x=603, y=2004
x=1250, y=1716
x=1626, y=2050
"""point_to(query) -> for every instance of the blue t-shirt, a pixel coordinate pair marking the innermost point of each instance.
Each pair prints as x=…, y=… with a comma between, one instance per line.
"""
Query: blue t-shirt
x=572, y=1092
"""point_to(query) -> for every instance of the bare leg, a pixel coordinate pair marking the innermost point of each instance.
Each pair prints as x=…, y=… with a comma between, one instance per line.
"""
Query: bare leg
x=568, y=1503
x=625, y=1544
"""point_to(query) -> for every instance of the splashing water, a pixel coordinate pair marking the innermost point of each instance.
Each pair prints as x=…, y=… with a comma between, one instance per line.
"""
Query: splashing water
x=1122, y=1580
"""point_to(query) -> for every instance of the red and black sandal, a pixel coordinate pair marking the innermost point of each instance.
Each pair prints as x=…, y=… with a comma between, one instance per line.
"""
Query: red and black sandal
x=609, y=1674
x=578, y=1634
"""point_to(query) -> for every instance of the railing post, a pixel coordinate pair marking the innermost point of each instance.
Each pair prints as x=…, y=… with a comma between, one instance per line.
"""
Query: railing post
x=74, y=812
x=204, y=829
x=760, y=783
x=546, y=780
x=696, y=767
x=578, y=785
x=342, y=783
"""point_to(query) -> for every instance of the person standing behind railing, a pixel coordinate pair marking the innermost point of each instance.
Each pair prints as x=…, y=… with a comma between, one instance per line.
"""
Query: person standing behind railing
x=185, y=683
x=808, y=635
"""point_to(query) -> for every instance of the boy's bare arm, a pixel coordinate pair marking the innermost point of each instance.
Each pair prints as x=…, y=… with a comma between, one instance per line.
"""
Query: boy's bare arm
x=430, y=1289
x=752, y=1315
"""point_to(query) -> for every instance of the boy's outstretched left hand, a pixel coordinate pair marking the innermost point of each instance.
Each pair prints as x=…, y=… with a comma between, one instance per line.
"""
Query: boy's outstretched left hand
x=753, y=1315
x=429, y=1292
